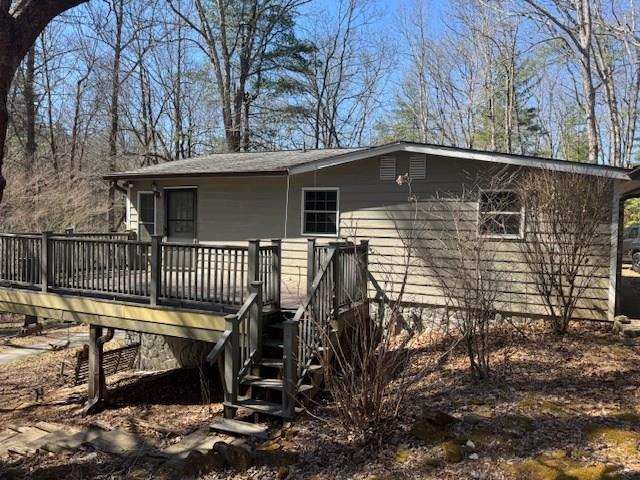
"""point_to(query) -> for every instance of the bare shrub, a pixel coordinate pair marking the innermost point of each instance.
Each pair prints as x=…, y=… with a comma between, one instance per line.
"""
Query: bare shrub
x=456, y=248
x=43, y=200
x=369, y=370
x=565, y=215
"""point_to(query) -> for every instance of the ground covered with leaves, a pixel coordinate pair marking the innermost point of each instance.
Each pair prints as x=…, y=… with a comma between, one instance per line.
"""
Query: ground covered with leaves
x=555, y=408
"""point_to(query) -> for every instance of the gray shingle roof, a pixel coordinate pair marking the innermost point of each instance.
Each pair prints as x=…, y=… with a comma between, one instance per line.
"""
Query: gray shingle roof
x=300, y=161
x=243, y=163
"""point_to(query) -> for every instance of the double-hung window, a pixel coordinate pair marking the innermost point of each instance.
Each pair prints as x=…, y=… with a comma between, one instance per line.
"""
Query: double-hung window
x=320, y=213
x=501, y=214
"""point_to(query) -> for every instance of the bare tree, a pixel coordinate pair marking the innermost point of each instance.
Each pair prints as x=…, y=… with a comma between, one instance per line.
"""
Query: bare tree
x=20, y=24
x=235, y=36
x=565, y=214
x=345, y=73
x=572, y=23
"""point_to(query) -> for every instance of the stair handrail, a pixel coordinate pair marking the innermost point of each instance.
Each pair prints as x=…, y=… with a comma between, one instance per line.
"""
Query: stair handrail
x=301, y=334
x=241, y=343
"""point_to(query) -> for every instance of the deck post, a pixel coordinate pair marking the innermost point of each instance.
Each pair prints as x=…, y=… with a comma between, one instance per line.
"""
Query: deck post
x=156, y=268
x=231, y=365
x=44, y=261
x=311, y=262
x=255, y=317
x=276, y=271
x=131, y=250
x=364, y=269
x=290, y=368
x=253, y=265
x=335, y=247
x=97, y=384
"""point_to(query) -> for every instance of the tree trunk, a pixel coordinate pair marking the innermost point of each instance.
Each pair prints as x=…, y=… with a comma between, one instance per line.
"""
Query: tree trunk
x=30, y=108
x=7, y=70
x=52, y=132
x=114, y=110
x=4, y=120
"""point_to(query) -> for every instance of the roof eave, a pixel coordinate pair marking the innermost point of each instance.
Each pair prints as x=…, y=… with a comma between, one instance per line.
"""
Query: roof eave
x=154, y=176
x=556, y=165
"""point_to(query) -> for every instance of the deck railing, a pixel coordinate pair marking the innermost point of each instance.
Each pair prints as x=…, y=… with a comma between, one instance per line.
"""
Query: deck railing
x=157, y=272
x=339, y=280
x=203, y=273
x=101, y=266
x=21, y=259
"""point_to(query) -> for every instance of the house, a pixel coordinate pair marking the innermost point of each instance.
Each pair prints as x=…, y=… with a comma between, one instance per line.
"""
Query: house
x=263, y=255
x=335, y=194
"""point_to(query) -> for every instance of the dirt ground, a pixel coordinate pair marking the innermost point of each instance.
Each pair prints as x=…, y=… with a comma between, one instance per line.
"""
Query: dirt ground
x=556, y=408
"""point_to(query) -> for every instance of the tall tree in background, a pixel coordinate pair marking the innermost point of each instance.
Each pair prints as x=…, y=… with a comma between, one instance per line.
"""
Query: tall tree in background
x=20, y=24
x=236, y=37
x=572, y=24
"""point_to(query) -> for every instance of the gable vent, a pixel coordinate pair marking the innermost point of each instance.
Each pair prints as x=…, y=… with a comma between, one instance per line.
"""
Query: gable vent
x=418, y=167
x=387, y=168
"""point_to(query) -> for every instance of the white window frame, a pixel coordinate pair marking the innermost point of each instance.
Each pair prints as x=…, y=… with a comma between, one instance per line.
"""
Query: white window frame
x=502, y=236
x=302, y=212
x=155, y=211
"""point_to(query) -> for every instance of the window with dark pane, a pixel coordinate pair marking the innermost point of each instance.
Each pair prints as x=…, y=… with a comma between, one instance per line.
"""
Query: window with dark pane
x=500, y=214
x=320, y=214
x=146, y=215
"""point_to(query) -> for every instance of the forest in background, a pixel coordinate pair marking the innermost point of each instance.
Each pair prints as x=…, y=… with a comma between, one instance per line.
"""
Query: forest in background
x=119, y=84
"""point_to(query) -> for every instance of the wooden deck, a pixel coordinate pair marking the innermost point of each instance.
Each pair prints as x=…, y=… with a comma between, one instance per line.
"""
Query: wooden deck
x=182, y=290
x=216, y=294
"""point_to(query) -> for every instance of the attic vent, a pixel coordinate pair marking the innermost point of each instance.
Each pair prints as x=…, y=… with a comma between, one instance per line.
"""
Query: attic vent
x=387, y=168
x=418, y=167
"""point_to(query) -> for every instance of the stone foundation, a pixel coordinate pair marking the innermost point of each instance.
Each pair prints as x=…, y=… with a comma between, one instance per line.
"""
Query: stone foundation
x=158, y=352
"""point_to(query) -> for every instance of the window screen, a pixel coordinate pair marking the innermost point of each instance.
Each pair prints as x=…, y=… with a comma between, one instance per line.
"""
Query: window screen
x=320, y=212
x=501, y=214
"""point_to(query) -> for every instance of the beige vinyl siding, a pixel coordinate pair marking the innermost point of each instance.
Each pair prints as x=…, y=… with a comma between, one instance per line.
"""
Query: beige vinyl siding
x=235, y=209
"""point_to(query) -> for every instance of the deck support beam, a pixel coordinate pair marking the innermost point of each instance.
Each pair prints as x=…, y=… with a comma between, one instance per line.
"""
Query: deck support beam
x=97, y=384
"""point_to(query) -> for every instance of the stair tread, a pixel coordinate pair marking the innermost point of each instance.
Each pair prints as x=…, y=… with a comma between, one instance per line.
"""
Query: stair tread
x=271, y=362
x=272, y=383
x=273, y=342
x=262, y=407
x=238, y=427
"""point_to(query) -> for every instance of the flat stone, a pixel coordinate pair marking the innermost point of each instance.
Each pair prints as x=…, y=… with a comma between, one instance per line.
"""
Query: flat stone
x=238, y=427
x=201, y=441
x=116, y=441
x=631, y=331
x=56, y=442
x=235, y=455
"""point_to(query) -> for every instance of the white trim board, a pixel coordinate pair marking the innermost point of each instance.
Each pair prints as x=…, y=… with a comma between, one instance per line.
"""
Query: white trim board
x=461, y=153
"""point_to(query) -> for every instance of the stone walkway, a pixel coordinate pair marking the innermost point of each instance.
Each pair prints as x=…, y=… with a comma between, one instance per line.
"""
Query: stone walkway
x=190, y=456
x=51, y=437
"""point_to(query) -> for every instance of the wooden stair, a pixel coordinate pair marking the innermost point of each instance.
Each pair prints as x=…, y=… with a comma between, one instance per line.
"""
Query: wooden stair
x=262, y=390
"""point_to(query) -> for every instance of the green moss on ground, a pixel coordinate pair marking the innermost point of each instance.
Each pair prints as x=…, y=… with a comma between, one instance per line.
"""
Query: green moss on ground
x=546, y=467
x=452, y=451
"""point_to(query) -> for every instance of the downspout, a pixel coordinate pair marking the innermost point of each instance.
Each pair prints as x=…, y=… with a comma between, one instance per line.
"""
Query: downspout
x=286, y=206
